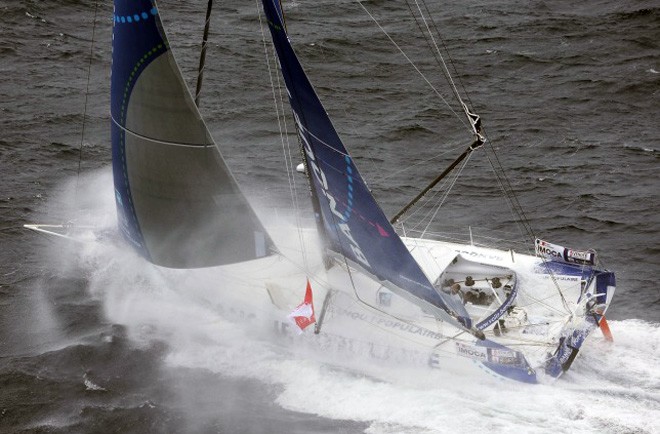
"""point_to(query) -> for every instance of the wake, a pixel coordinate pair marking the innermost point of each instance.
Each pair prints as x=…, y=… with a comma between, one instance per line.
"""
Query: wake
x=612, y=387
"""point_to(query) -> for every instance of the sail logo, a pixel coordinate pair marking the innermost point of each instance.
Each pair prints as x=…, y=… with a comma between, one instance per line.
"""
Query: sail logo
x=332, y=202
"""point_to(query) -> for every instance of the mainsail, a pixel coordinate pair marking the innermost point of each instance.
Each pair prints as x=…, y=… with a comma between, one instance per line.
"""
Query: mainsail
x=177, y=202
x=355, y=226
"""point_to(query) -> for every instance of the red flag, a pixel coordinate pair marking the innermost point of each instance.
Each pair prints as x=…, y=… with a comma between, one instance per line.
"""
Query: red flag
x=303, y=315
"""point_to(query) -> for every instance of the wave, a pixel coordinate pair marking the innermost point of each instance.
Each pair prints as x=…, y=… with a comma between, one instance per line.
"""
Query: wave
x=642, y=150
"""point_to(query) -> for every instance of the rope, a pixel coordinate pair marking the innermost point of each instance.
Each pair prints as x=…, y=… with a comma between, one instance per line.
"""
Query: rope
x=437, y=51
x=444, y=197
x=413, y=64
x=82, y=132
x=202, y=56
x=412, y=166
x=520, y=216
x=284, y=138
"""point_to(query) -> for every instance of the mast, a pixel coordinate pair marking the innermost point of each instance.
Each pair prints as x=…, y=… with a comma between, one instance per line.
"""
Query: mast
x=202, y=57
x=318, y=214
x=328, y=261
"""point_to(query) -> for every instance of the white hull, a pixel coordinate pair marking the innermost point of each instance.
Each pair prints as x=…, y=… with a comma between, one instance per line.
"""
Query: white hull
x=365, y=319
x=372, y=322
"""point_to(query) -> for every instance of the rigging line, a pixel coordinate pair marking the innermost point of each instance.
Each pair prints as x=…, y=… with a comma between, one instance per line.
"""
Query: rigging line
x=555, y=282
x=518, y=213
x=312, y=277
x=444, y=45
x=324, y=143
x=361, y=301
x=540, y=302
x=202, y=56
x=397, y=172
x=546, y=323
x=438, y=178
x=299, y=124
x=401, y=337
x=284, y=138
x=494, y=240
x=551, y=273
x=442, y=60
x=89, y=73
x=370, y=151
x=276, y=104
x=521, y=341
x=444, y=198
x=426, y=38
x=448, y=338
x=525, y=343
x=350, y=275
x=514, y=202
x=507, y=189
x=536, y=301
x=289, y=162
x=503, y=180
x=421, y=31
x=426, y=200
x=442, y=236
x=327, y=145
x=473, y=119
x=413, y=65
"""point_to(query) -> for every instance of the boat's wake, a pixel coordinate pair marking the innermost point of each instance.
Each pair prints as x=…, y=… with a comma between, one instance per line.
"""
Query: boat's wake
x=612, y=387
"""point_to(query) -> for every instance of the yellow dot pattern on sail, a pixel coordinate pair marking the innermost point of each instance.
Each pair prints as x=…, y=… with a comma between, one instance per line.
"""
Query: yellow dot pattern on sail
x=122, y=118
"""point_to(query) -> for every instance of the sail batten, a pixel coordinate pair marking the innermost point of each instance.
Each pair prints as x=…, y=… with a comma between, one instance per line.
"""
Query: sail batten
x=354, y=225
x=177, y=202
x=154, y=140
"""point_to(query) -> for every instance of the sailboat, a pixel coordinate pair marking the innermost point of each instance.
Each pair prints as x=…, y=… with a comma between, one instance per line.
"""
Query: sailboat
x=460, y=307
x=485, y=307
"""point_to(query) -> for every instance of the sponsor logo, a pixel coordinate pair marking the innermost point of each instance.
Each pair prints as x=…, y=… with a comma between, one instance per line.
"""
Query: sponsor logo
x=581, y=257
x=385, y=322
x=474, y=254
x=505, y=357
x=564, y=353
x=566, y=255
x=476, y=353
x=558, y=277
x=332, y=202
x=547, y=249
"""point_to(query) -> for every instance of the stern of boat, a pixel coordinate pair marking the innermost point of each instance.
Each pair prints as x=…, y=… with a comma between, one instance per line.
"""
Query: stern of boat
x=592, y=305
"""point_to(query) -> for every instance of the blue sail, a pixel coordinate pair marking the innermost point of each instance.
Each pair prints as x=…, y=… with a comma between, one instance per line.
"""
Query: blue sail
x=177, y=202
x=355, y=226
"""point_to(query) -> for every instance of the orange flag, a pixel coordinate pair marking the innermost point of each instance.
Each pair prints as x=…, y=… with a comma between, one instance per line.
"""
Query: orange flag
x=605, y=328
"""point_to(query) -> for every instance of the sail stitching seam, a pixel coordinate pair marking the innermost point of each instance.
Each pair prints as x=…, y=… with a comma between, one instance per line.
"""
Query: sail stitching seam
x=159, y=141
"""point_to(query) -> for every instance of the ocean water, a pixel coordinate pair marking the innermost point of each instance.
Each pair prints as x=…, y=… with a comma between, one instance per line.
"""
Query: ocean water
x=92, y=340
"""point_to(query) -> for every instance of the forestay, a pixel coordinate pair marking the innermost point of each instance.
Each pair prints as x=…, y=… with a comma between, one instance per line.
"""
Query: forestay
x=177, y=202
x=355, y=226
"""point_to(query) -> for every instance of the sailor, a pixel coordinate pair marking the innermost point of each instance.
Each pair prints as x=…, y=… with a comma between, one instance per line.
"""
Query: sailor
x=456, y=290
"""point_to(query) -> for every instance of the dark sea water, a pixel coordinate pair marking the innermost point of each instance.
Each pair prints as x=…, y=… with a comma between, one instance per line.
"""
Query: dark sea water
x=569, y=94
